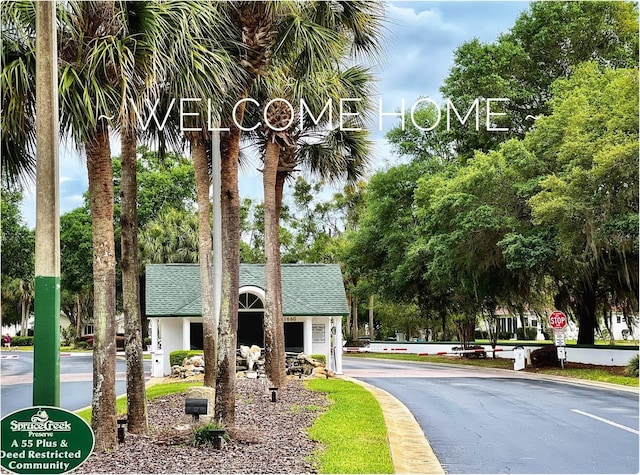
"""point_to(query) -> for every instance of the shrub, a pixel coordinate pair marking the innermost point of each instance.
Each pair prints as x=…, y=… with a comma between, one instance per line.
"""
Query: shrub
x=504, y=335
x=526, y=333
x=632, y=367
x=471, y=355
x=67, y=335
x=81, y=345
x=545, y=356
x=320, y=358
x=119, y=341
x=176, y=357
x=22, y=341
x=480, y=335
x=357, y=343
x=202, y=435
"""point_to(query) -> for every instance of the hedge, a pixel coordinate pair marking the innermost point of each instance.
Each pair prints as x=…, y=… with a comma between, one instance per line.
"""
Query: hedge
x=526, y=333
x=319, y=358
x=176, y=357
x=22, y=341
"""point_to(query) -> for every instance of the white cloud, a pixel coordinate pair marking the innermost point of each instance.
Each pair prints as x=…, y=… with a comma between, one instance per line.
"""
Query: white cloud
x=421, y=40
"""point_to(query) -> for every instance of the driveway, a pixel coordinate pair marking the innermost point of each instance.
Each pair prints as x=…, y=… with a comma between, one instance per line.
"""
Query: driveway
x=76, y=380
x=497, y=421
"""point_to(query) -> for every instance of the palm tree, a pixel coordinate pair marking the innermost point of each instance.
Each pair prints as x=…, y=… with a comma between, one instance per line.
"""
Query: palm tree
x=171, y=237
x=201, y=67
x=17, y=87
x=252, y=31
x=90, y=57
x=141, y=23
x=314, y=75
x=26, y=294
x=165, y=37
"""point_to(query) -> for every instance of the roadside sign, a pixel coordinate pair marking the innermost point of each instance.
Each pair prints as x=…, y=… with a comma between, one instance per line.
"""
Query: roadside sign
x=558, y=320
x=562, y=354
x=44, y=439
x=558, y=338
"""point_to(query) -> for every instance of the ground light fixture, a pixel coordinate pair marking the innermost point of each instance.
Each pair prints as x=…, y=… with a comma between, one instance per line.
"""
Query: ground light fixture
x=195, y=407
x=121, y=424
x=273, y=394
x=217, y=437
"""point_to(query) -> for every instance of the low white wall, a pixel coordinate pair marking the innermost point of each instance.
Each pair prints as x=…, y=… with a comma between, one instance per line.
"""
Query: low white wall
x=597, y=356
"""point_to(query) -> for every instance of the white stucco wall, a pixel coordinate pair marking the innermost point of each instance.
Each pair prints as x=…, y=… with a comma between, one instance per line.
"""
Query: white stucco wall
x=174, y=334
x=597, y=356
x=171, y=336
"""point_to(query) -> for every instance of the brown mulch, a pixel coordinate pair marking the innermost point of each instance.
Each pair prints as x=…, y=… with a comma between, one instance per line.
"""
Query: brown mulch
x=268, y=437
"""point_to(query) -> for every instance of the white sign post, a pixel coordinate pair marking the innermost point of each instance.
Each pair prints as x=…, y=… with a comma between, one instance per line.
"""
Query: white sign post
x=558, y=321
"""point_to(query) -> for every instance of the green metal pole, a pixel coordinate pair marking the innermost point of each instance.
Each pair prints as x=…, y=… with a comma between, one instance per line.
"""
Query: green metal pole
x=46, y=345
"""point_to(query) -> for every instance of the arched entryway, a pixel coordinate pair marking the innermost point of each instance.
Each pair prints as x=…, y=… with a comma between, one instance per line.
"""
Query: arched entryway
x=251, y=317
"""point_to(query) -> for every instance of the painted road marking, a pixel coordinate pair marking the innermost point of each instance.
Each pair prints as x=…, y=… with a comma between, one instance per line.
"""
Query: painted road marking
x=607, y=421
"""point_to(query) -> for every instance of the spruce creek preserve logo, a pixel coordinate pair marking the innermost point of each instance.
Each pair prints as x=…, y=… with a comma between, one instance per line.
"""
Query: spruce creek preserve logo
x=44, y=439
x=194, y=112
x=40, y=422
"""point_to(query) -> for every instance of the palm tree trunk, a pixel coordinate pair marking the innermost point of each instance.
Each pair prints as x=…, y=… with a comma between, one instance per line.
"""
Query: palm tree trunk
x=24, y=321
x=103, y=404
x=228, y=325
x=371, y=330
x=347, y=327
x=273, y=320
x=136, y=395
x=201, y=168
x=354, y=318
x=78, y=316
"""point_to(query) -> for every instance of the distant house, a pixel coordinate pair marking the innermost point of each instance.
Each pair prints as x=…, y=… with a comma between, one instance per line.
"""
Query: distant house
x=313, y=303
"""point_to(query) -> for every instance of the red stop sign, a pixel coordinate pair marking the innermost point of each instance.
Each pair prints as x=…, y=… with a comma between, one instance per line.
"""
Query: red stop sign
x=558, y=320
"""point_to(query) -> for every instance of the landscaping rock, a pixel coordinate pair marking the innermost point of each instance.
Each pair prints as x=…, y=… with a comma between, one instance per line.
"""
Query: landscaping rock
x=268, y=437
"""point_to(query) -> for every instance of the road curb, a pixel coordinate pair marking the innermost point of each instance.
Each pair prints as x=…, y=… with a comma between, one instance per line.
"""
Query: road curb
x=410, y=449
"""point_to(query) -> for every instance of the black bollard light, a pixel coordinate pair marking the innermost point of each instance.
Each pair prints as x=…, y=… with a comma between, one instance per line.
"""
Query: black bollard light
x=121, y=424
x=273, y=394
x=217, y=436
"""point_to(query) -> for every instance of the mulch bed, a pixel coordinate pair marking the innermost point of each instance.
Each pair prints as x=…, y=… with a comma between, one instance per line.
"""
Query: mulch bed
x=268, y=437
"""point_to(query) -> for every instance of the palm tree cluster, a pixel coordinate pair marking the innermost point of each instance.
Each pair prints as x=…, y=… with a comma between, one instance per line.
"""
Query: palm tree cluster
x=117, y=57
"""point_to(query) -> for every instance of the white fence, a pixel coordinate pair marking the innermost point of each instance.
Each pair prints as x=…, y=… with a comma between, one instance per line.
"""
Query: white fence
x=598, y=356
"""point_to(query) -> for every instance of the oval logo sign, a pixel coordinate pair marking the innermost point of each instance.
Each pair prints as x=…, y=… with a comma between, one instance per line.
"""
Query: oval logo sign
x=44, y=439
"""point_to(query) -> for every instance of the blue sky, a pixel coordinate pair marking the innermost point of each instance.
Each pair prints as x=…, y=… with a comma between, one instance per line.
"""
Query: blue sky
x=420, y=43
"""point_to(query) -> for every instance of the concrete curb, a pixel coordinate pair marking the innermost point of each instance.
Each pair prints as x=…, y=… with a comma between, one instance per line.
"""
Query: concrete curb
x=410, y=450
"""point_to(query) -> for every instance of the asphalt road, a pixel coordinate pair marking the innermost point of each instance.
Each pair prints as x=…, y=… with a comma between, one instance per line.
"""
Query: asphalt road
x=16, y=388
x=484, y=421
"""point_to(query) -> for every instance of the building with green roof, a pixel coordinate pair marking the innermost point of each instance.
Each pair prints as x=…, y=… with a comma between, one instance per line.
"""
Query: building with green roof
x=313, y=305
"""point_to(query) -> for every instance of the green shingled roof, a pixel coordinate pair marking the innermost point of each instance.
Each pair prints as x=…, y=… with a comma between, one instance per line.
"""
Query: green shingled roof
x=173, y=290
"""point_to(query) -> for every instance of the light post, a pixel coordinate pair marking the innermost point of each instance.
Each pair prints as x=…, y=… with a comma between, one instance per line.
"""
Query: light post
x=46, y=358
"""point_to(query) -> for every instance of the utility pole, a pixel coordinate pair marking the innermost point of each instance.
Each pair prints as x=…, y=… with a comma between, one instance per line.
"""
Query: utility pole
x=46, y=358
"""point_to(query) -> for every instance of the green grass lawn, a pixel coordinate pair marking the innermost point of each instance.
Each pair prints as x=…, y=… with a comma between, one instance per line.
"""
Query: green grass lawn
x=352, y=431
x=153, y=392
x=592, y=374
